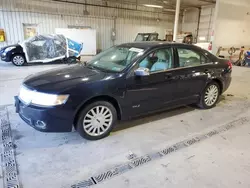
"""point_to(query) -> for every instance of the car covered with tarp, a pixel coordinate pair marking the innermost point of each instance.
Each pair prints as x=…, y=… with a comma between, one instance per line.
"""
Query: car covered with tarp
x=41, y=48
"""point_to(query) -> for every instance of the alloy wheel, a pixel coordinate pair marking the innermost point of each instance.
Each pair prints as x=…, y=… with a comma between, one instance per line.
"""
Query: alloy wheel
x=211, y=95
x=97, y=120
x=18, y=60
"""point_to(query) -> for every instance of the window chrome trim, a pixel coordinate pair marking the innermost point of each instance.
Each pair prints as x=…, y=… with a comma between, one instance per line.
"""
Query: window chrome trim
x=179, y=68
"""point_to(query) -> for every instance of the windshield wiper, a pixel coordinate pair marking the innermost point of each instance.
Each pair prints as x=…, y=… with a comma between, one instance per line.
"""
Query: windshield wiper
x=99, y=68
x=94, y=67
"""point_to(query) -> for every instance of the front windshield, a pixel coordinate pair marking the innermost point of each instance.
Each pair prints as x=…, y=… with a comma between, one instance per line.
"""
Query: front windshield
x=115, y=59
x=142, y=37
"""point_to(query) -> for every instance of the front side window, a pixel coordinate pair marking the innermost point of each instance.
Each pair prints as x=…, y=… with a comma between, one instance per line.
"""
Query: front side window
x=158, y=60
x=115, y=59
x=190, y=58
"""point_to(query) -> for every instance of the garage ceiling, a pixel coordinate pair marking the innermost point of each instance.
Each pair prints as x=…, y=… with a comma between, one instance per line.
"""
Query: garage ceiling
x=167, y=3
x=163, y=5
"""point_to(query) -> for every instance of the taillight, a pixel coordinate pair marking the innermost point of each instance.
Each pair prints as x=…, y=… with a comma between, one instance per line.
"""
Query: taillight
x=230, y=65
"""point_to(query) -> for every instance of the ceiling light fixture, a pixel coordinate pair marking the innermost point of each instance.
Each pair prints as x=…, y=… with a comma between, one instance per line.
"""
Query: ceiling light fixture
x=153, y=6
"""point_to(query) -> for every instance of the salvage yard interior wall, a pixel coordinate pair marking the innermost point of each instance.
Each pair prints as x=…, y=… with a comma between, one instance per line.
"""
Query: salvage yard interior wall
x=232, y=27
x=48, y=15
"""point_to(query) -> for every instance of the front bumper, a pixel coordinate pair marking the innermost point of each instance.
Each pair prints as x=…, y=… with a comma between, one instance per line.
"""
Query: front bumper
x=54, y=119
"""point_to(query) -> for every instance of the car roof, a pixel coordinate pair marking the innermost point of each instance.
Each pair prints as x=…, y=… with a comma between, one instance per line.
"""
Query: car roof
x=154, y=44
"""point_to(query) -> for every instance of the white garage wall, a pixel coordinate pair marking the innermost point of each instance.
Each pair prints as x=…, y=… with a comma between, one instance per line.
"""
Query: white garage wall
x=48, y=16
x=232, y=26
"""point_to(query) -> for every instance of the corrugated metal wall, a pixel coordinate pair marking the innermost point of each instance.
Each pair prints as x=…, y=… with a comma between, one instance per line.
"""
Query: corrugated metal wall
x=50, y=15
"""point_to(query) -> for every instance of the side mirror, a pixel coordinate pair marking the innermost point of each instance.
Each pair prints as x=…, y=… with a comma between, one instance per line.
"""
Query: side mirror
x=142, y=71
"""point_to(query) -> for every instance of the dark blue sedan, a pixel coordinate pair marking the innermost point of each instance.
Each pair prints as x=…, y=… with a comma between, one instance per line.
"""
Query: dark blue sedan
x=122, y=82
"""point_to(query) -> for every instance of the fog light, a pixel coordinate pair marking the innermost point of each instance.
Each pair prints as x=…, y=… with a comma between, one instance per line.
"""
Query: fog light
x=40, y=124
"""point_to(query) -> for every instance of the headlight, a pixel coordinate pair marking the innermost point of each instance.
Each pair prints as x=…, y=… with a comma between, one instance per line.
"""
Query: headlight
x=9, y=49
x=42, y=99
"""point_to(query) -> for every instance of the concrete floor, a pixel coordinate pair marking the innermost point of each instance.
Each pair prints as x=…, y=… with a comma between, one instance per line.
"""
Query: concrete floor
x=65, y=159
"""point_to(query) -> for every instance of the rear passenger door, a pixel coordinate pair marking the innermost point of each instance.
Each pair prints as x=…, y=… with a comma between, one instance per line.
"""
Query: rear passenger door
x=191, y=72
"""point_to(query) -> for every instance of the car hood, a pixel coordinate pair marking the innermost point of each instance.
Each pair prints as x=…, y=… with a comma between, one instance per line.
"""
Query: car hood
x=59, y=80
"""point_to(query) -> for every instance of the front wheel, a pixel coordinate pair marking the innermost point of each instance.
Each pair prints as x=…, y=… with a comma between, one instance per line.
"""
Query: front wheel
x=18, y=60
x=96, y=120
x=209, y=96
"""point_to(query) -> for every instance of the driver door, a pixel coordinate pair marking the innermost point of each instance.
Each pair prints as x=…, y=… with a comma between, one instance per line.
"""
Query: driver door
x=154, y=91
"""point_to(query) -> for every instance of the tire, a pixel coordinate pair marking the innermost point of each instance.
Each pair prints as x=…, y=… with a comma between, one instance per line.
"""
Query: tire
x=206, y=101
x=89, y=123
x=18, y=60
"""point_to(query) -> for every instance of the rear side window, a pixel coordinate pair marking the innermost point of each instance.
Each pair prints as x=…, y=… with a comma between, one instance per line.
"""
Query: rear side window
x=211, y=57
x=190, y=58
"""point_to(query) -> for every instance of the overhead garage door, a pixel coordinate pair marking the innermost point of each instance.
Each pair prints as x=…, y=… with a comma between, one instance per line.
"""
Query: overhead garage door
x=206, y=24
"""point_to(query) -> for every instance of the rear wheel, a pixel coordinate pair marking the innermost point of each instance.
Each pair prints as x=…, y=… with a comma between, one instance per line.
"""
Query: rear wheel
x=209, y=96
x=18, y=60
x=96, y=120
